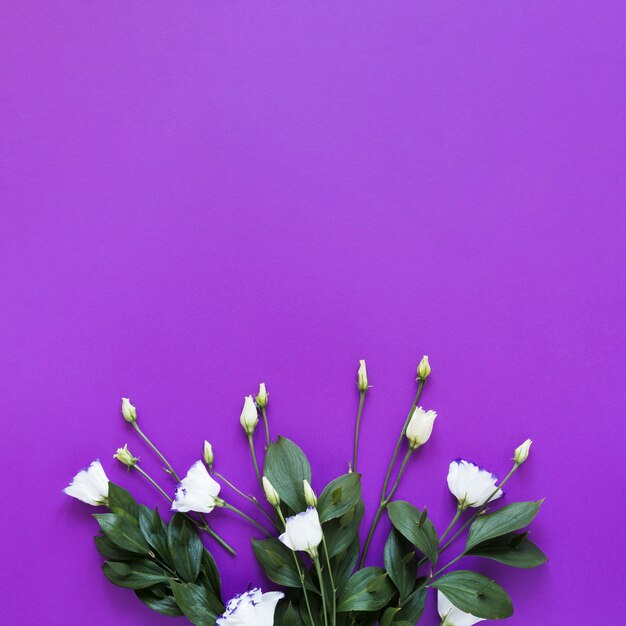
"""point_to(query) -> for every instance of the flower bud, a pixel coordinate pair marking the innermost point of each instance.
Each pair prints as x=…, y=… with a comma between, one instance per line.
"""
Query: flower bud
x=309, y=494
x=270, y=493
x=262, y=396
x=362, y=376
x=209, y=457
x=420, y=427
x=129, y=413
x=124, y=456
x=521, y=453
x=249, y=416
x=423, y=369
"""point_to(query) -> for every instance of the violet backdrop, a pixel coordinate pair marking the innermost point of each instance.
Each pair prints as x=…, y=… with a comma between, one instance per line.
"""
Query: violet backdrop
x=199, y=196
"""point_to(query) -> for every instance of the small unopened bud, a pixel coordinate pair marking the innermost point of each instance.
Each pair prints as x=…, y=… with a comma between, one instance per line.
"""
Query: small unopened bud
x=270, y=493
x=420, y=427
x=129, y=412
x=521, y=453
x=362, y=376
x=423, y=369
x=249, y=416
x=209, y=457
x=262, y=397
x=124, y=456
x=309, y=494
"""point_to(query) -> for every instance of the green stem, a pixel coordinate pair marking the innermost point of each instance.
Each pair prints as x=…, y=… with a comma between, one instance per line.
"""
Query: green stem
x=296, y=560
x=455, y=519
x=256, y=465
x=357, y=428
x=318, y=569
x=267, y=428
x=447, y=565
x=245, y=516
x=383, y=505
x=201, y=526
x=332, y=582
x=156, y=451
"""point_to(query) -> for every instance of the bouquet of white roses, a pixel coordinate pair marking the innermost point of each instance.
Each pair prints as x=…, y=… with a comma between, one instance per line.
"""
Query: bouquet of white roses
x=309, y=544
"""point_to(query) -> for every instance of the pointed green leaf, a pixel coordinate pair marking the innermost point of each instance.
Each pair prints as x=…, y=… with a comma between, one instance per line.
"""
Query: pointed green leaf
x=357, y=595
x=138, y=574
x=407, y=520
x=185, y=547
x=339, y=497
x=340, y=533
x=122, y=532
x=413, y=606
x=400, y=563
x=511, y=549
x=159, y=601
x=505, y=520
x=287, y=467
x=121, y=502
x=476, y=594
x=194, y=602
x=278, y=563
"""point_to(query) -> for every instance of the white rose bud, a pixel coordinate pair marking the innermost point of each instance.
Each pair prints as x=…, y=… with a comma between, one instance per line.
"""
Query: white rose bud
x=362, y=376
x=423, y=369
x=129, y=412
x=521, y=453
x=270, y=493
x=209, y=457
x=262, y=397
x=309, y=494
x=124, y=456
x=420, y=427
x=249, y=416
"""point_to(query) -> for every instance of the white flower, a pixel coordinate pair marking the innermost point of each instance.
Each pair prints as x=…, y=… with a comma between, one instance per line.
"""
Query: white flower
x=90, y=485
x=207, y=453
x=253, y=608
x=262, y=397
x=270, y=493
x=521, y=452
x=451, y=616
x=129, y=412
x=471, y=485
x=420, y=427
x=309, y=495
x=423, y=369
x=362, y=376
x=249, y=416
x=303, y=532
x=198, y=491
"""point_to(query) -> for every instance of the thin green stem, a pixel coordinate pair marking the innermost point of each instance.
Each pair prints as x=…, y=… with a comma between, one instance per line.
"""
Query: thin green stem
x=267, y=428
x=296, y=560
x=246, y=496
x=318, y=569
x=156, y=451
x=357, y=428
x=245, y=516
x=455, y=519
x=447, y=565
x=154, y=483
x=256, y=465
x=405, y=460
x=332, y=582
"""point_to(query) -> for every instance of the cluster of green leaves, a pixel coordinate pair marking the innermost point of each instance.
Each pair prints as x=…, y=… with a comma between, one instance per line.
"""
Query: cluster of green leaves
x=394, y=595
x=165, y=564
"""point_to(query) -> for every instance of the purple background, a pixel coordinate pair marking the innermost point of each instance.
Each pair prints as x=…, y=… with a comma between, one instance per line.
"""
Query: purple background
x=199, y=197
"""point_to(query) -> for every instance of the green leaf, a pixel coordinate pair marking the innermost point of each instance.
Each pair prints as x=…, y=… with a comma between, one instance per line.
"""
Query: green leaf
x=476, y=594
x=159, y=601
x=401, y=569
x=122, y=503
x=286, y=467
x=368, y=589
x=340, y=496
x=511, y=549
x=185, y=548
x=278, y=563
x=154, y=530
x=341, y=532
x=110, y=551
x=138, y=574
x=504, y=520
x=344, y=563
x=406, y=520
x=388, y=615
x=209, y=568
x=287, y=615
x=413, y=606
x=122, y=533
x=194, y=602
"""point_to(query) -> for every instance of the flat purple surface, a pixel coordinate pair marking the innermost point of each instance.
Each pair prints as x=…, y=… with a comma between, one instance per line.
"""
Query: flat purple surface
x=200, y=196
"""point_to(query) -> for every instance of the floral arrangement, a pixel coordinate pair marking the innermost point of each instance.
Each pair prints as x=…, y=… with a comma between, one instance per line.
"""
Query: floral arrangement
x=309, y=544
